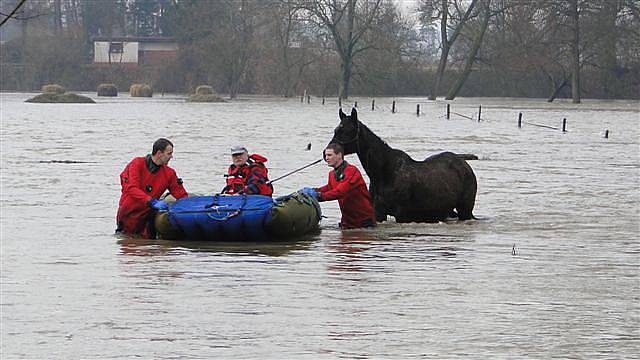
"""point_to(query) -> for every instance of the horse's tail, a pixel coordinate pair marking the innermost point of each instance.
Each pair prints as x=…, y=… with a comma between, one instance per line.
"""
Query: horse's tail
x=469, y=189
x=467, y=156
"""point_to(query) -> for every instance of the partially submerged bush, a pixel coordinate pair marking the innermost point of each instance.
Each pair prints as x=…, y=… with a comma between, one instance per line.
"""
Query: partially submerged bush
x=53, y=89
x=205, y=98
x=65, y=98
x=140, y=90
x=204, y=90
x=107, y=90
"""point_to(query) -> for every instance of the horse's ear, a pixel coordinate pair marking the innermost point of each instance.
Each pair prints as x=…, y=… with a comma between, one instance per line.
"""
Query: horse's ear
x=354, y=114
x=341, y=114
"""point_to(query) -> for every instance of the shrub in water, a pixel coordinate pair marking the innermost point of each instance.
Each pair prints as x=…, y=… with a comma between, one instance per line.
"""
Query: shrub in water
x=52, y=89
x=107, y=90
x=60, y=98
x=140, y=90
x=204, y=90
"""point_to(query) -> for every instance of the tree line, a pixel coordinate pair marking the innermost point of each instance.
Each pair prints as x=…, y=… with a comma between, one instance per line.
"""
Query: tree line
x=519, y=48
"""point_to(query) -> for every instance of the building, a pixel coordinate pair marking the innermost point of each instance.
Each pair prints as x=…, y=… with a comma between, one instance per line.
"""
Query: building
x=133, y=51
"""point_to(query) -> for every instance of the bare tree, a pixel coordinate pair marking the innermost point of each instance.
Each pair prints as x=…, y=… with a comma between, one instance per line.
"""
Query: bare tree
x=473, y=52
x=346, y=22
x=575, y=51
x=290, y=43
x=431, y=10
x=12, y=14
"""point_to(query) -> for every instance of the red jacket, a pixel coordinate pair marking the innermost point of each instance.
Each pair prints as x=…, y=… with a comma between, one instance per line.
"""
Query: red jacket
x=351, y=192
x=250, y=178
x=139, y=185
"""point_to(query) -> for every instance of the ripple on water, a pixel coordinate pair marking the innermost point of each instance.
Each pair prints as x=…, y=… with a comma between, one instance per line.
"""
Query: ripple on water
x=566, y=203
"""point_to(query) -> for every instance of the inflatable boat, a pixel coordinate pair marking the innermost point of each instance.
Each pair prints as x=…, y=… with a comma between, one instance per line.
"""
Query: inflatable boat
x=239, y=218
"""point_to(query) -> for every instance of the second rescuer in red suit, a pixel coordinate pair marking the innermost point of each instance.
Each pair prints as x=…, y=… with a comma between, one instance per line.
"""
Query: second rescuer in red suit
x=348, y=187
x=143, y=181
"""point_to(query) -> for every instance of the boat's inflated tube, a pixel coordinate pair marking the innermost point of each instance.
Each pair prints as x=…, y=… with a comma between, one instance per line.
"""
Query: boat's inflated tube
x=222, y=218
x=239, y=218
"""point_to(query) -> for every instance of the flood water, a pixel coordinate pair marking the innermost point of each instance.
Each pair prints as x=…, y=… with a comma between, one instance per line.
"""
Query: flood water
x=567, y=203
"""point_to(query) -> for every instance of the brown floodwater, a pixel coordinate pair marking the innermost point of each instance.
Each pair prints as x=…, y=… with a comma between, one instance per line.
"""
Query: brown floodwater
x=568, y=204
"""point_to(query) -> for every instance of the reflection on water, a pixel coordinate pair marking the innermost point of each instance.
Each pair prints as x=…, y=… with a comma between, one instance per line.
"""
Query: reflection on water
x=380, y=249
x=134, y=246
x=349, y=252
x=569, y=202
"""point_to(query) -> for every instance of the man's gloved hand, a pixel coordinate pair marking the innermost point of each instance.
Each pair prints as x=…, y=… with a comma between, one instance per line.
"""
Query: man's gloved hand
x=310, y=191
x=159, y=205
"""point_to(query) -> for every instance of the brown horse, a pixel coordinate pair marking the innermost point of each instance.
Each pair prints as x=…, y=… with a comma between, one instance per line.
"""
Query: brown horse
x=409, y=190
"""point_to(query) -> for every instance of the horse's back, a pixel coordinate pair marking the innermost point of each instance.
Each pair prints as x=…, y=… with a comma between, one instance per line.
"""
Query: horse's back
x=443, y=156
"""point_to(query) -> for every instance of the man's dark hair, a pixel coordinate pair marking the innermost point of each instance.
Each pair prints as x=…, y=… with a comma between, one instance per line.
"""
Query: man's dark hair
x=337, y=148
x=160, y=145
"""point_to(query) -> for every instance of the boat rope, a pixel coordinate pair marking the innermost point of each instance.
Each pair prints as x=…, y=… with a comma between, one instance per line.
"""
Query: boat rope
x=293, y=172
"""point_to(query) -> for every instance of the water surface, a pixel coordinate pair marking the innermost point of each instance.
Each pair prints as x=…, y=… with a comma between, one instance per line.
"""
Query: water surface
x=568, y=203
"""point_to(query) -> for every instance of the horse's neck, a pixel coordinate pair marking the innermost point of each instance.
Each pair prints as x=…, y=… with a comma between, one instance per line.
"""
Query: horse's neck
x=373, y=153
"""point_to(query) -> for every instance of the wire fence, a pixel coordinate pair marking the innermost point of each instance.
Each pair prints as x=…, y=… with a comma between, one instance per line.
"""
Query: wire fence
x=448, y=113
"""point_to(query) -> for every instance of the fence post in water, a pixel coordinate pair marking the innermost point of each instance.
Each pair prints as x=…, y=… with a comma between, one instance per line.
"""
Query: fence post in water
x=520, y=120
x=479, y=112
x=340, y=102
x=564, y=125
x=355, y=104
x=323, y=100
x=606, y=134
x=393, y=107
x=373, y=104
x=448, y=111
x=418, y=110
x=308, y=99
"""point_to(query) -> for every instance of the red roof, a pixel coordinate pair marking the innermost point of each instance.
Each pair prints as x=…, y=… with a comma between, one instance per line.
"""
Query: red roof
x=156, y=39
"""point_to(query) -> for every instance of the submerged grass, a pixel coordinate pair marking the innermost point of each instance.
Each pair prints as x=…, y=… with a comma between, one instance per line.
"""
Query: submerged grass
x=66, y=98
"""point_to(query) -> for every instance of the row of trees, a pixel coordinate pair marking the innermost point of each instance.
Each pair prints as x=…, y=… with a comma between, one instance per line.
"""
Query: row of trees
x=443, y=47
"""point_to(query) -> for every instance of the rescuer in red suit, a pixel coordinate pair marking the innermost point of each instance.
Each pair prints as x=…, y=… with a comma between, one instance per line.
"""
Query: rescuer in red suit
x=247, y=174
x=143, y=181
x=348, y=187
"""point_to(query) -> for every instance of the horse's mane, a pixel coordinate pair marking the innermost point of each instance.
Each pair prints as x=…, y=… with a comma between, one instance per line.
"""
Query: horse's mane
x=375, y=154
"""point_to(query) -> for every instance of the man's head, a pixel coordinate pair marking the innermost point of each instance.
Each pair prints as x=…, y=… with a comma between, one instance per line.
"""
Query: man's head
x=162, y=151
x=334, y=155
x=239, y=155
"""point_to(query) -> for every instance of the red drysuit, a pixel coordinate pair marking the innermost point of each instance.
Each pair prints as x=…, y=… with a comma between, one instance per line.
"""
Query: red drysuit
x=250, y=178
x=139, y=185
x=349, y=188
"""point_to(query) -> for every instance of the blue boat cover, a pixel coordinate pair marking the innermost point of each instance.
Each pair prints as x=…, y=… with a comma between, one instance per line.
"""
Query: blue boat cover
x=222, y=217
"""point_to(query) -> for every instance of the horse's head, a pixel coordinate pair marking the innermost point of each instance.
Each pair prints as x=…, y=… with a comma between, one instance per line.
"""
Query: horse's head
x=347, y=132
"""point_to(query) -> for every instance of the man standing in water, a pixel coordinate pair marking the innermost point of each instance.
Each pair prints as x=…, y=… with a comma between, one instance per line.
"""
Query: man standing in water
x=143, y=181
x=348, y=187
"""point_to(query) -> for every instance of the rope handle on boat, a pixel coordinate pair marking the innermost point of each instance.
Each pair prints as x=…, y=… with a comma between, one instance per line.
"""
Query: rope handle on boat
x=214, y=214
x=224, y=218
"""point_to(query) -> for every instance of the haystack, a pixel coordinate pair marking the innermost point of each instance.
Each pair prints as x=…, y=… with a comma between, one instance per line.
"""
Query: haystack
x=205, y=93
x=107, y=90
x=140, y=90
x=204, y=90
x=53, y=89
x=65, y=98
